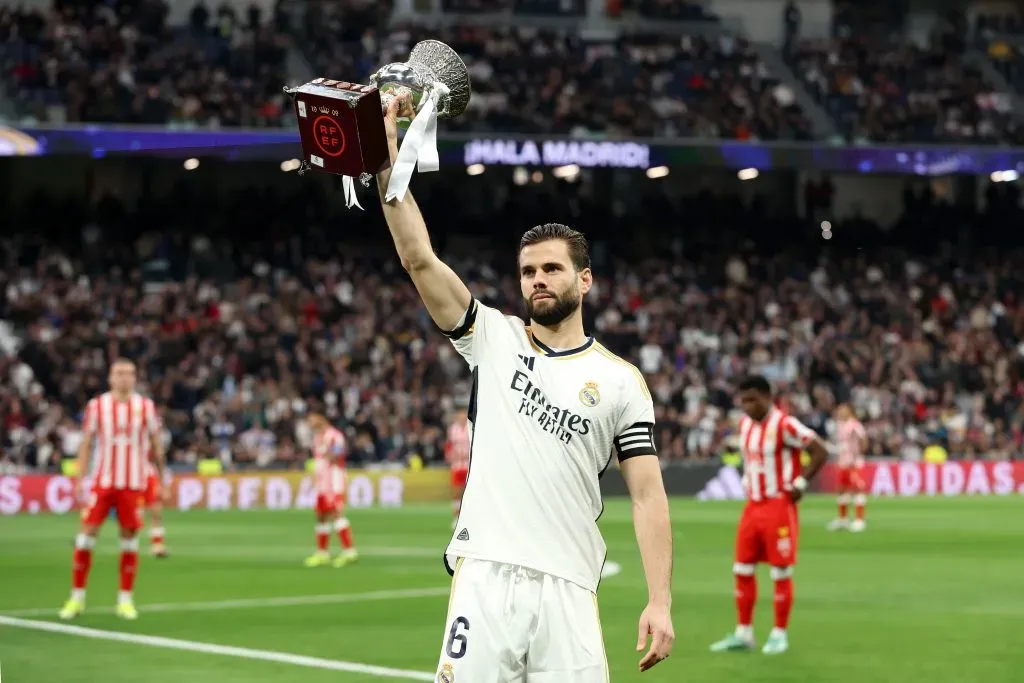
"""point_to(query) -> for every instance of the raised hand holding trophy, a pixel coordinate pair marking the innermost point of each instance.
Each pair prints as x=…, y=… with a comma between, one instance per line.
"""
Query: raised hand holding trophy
x=341, y=124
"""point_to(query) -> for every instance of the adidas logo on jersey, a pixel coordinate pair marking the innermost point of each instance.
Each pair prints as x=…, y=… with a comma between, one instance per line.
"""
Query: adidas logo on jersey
x=527, y=361
x=463, y=535
x=727, y=484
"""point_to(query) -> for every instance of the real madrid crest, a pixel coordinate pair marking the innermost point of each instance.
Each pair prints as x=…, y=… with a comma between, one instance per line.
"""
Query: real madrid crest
x=589, y=395
x=446, y=674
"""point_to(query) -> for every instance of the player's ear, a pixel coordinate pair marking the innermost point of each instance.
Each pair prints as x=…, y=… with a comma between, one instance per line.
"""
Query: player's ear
x=586, y=280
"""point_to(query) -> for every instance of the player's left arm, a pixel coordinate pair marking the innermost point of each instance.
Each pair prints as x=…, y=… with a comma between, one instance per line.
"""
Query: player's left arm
x=797, y=435
x=156, y=444
x=641, y=470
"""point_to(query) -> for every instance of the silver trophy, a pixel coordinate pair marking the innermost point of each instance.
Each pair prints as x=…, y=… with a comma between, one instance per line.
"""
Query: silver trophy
x=431, y=65
x=436, y=82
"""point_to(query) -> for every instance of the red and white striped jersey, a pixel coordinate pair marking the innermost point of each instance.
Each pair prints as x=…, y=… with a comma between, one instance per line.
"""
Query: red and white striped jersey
x=457, y=448
x=123, y=431
x=850, y=434
x=771, y=453
x=329, y=460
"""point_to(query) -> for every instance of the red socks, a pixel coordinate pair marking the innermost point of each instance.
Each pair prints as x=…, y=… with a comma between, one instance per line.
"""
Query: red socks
x=82, y=561
x=344, y=532
x=783, y=578
x=323, y=534
x=129, y=563
x=746, y=596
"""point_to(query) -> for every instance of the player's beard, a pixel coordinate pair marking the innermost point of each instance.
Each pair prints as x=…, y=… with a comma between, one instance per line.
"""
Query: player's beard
x=550, y=312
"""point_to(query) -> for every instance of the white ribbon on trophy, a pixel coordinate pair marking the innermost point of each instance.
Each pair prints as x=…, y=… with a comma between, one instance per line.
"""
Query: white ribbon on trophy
x=418, y=150
x=348, y=184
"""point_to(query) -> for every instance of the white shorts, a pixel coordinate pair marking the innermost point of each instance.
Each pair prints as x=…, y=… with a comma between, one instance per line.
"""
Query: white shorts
x=509, y=624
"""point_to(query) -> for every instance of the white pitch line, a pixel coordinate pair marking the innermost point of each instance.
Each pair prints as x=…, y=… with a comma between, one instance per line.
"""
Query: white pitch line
x=224, y=650
x=242, y=603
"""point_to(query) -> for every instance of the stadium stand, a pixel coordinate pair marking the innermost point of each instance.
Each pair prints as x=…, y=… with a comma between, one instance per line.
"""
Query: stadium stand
x=670, y=86
x=236, y=338
x=86, y=63
x=91, y=62
x=672, y=10
x=560, y=8
x=879, y=87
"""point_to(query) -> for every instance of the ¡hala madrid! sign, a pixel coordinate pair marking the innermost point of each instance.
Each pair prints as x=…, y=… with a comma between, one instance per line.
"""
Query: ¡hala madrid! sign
x=583, y=153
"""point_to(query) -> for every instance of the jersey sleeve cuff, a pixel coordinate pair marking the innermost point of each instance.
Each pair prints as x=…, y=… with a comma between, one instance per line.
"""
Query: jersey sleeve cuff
x=637, y=439
x=464, y=327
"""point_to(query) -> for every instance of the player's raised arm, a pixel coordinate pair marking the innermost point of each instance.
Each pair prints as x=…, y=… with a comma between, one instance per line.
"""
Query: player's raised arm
x=444, y=294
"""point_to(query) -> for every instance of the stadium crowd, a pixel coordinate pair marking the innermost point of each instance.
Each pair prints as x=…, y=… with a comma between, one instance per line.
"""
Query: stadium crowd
x=123, y=63
x=91, y=62
x=669, y=86
x=880, y=86
x=236, y=339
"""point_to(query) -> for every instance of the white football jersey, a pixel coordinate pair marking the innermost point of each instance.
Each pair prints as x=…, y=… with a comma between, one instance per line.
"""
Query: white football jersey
x=545, y=426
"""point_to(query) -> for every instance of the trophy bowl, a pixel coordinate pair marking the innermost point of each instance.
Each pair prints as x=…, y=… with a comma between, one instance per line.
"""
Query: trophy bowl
x=431, y=62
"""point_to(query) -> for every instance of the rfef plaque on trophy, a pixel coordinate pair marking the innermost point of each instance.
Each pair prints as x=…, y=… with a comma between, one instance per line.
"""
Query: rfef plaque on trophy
x=341, y=124
x=341, y=127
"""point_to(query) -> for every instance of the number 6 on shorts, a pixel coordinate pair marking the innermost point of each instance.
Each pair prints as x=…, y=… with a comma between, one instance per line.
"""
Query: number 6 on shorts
x=457, y=639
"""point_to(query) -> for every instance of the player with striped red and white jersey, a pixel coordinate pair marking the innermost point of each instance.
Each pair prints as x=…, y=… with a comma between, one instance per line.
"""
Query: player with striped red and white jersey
x=771, y=442
x=329, y=478
x=124, y=428
x=456, y=453
x=852, y=441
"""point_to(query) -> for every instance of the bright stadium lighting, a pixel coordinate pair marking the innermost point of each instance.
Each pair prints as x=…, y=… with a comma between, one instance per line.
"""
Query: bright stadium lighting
x=657, y=172
x=826, y=226
x=1004, y=176
x=566, y=172
x=475, y=169
x=748, y=174
x=520, y=176
x=191, y=164
x=537, y=177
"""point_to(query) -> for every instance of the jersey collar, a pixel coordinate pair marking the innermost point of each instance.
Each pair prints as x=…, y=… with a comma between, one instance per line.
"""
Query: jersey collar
x=551, y=353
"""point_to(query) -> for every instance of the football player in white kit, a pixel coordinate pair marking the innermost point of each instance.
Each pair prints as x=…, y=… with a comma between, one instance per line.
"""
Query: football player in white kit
x=550, y=407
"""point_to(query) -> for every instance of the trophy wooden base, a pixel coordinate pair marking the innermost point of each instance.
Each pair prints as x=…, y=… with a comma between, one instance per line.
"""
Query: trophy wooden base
x=341, y=127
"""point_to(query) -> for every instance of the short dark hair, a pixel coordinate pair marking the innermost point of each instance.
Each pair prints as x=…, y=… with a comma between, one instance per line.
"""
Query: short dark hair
x=756, y=383
x=579, y=250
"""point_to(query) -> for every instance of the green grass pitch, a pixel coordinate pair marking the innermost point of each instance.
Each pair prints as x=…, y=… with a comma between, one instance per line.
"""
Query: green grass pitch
x=932, y=593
